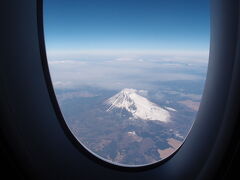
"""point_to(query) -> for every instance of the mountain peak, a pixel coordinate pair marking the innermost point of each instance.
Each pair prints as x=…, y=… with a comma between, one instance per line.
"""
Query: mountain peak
x=139, y=106
x=128, y=90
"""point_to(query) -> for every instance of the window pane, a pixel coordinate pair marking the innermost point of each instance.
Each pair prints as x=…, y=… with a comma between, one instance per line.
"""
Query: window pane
x=129, y=74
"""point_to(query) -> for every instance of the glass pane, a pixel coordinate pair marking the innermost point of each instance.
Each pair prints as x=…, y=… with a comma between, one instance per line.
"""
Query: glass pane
x=129, y=74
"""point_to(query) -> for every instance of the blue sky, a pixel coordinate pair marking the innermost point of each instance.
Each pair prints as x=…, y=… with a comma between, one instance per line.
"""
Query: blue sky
x=133, y=25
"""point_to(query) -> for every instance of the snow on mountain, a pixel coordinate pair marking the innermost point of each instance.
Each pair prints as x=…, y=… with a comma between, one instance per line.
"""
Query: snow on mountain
x=170, y=109
x=137, y=105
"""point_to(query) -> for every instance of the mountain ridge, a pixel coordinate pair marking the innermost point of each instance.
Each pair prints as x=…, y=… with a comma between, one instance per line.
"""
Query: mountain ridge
x=139, y=106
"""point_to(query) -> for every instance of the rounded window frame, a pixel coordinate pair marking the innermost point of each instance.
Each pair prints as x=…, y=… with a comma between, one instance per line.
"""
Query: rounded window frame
x=80, y=147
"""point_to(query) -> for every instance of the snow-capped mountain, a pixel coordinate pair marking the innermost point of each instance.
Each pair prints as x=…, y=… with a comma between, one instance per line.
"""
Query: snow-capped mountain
x=137, y=105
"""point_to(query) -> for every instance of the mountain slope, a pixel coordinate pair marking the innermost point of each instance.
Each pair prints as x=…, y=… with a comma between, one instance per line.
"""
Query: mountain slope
x=138, y=106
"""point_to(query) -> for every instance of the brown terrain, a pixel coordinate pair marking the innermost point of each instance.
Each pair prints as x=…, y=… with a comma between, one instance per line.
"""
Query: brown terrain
x=174, y=145
x=191, y=104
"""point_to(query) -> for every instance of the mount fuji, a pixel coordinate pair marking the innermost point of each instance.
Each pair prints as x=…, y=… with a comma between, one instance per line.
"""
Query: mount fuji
x=138, y=106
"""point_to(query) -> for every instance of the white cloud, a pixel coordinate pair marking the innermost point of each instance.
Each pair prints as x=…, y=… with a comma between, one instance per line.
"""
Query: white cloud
x=129, y=54
x=59, y=62
x=140, y=72
x=62, y=84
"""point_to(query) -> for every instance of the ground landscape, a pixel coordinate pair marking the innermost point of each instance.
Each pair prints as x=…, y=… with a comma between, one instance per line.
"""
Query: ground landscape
x=132, y=126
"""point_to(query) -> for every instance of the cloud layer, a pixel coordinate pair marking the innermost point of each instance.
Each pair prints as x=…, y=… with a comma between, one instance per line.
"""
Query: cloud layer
x=140, y=71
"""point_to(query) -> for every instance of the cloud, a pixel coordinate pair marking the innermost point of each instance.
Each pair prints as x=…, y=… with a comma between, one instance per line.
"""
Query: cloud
x=125, y=59
x=120, y=52
x=59, y=62
x=62, y=84
x=140, y=72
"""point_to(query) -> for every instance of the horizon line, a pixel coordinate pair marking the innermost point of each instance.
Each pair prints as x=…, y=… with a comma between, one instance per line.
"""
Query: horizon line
x=128, y=52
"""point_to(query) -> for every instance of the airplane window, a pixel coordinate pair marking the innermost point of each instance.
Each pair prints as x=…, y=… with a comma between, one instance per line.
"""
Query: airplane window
x=128, y=75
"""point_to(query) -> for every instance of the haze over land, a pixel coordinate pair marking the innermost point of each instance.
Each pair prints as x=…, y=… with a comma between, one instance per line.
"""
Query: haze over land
x=129, y=70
